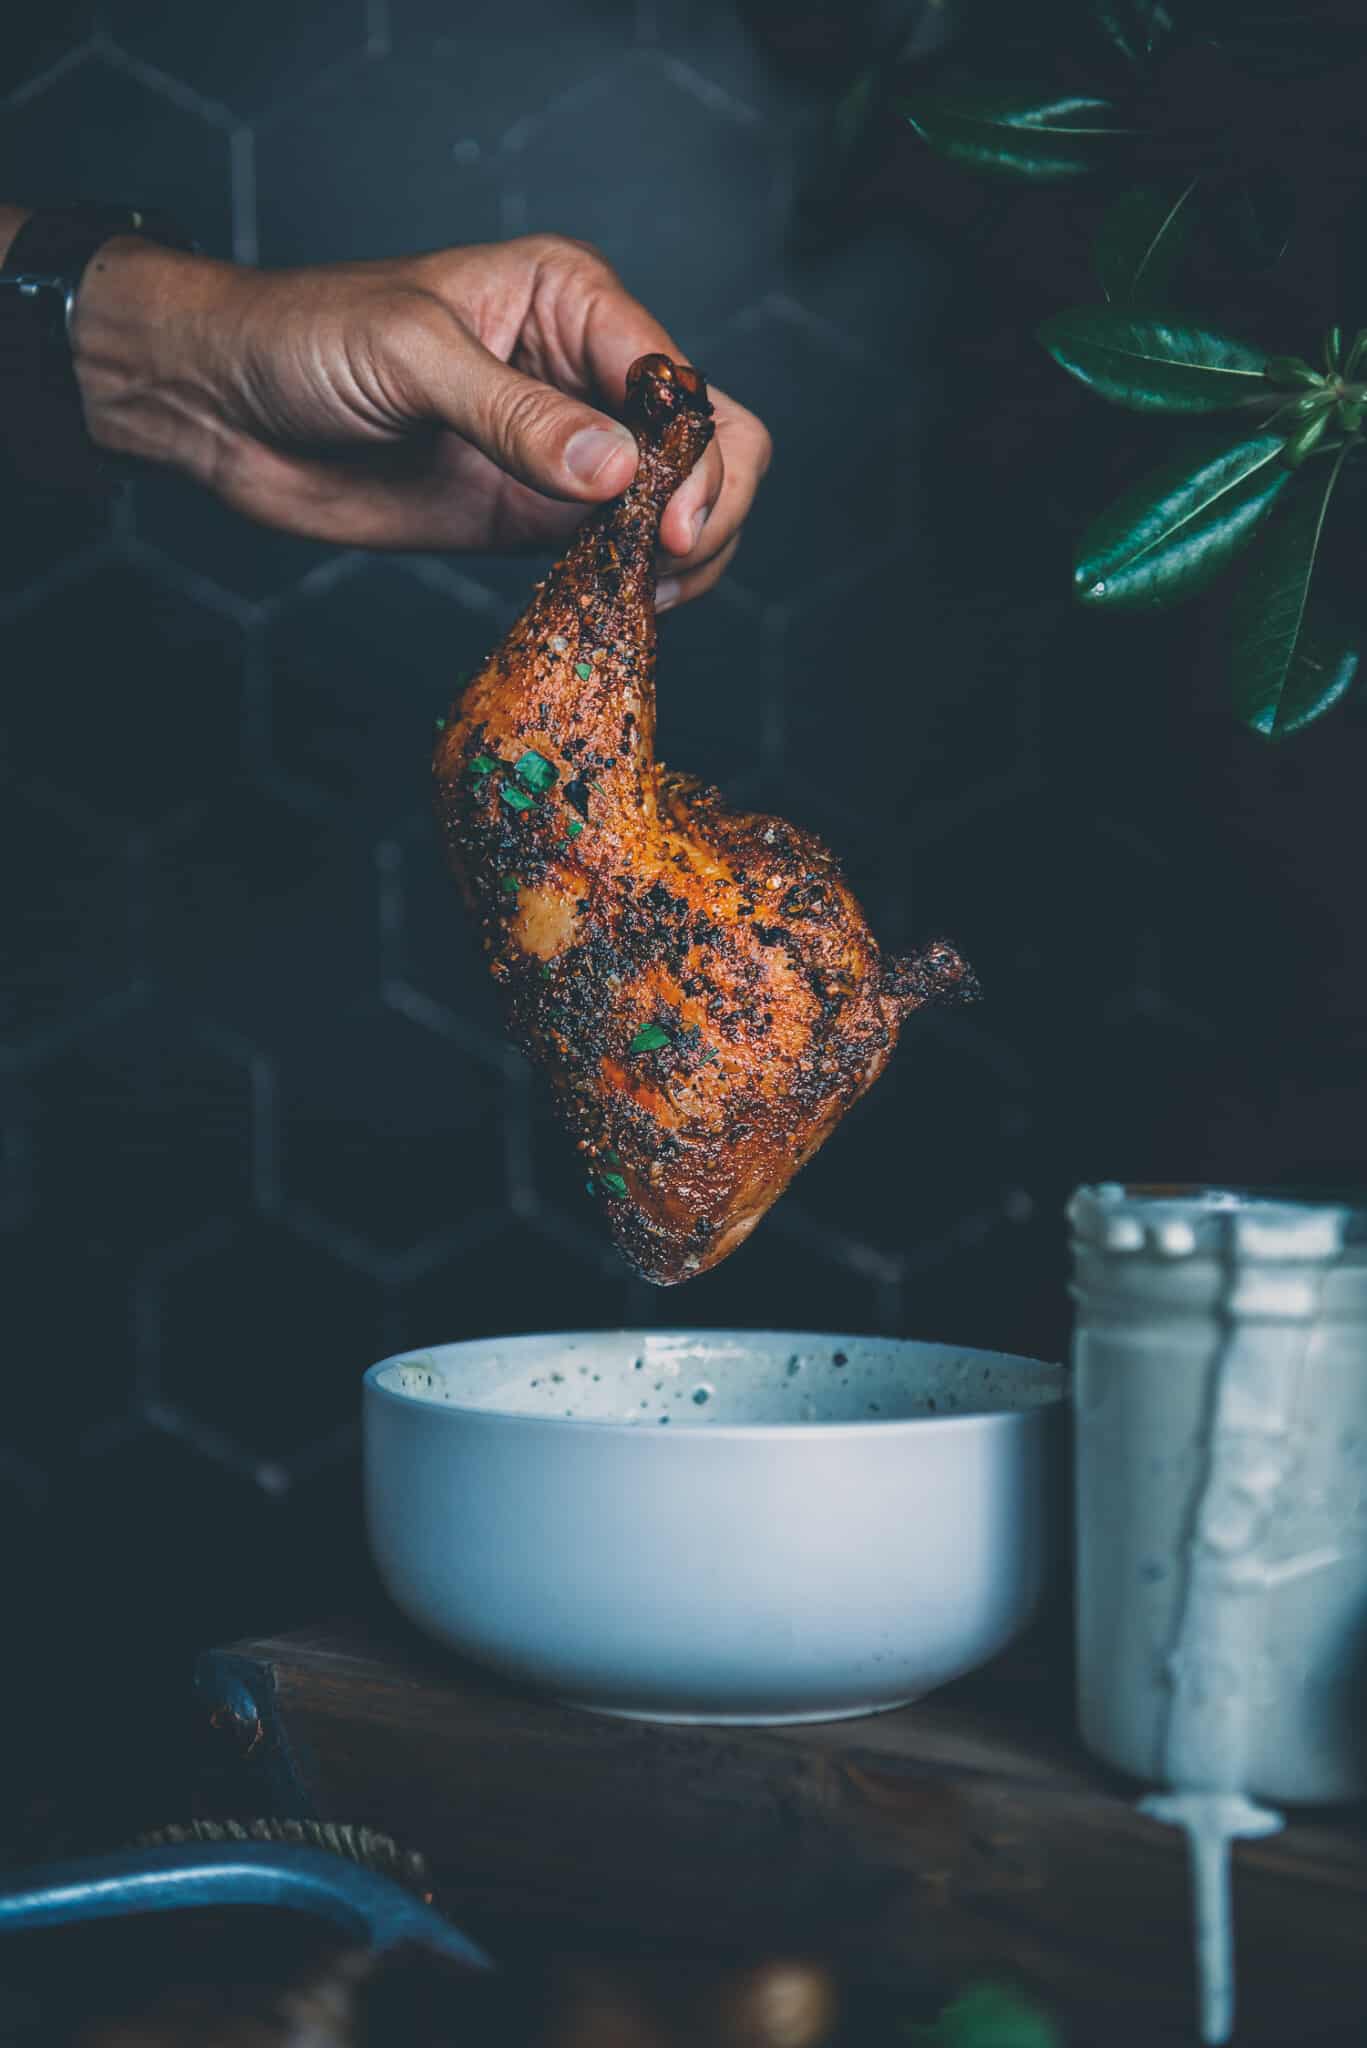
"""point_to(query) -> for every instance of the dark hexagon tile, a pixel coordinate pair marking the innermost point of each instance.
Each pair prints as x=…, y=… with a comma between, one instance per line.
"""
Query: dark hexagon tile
x=435, y=949
x=714, y=683
x=162, y=1552
x=420, y=1150
x=519, y=1279
x=258, y=52
x=939, y=1136
x=359, y=675
x=319, y=194
x=886, y=295
x=197, y=529
x=39, y=35
x=140, y=1132
x=67, y=936
x=45, y=527
x=96, y=130
x=683, y=199
x=72, y=1340
x=495, y=79
x=710, y=39
x=265, y=1339
x=125, y=693
x=776, y=1282
x=836, y=488
x=903, y=710
x=263, y=917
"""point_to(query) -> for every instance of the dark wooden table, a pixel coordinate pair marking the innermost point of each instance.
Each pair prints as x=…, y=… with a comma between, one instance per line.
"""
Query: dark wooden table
x=966, y=1836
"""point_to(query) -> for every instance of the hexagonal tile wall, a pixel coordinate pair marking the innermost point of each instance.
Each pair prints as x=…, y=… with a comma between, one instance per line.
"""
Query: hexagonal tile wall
x=260, y=1120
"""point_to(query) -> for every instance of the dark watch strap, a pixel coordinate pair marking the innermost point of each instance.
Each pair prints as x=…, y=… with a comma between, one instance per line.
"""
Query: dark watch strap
x=41, y=419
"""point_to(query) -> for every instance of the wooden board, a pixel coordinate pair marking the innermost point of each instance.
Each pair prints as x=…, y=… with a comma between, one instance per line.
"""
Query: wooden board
x=963, y=1836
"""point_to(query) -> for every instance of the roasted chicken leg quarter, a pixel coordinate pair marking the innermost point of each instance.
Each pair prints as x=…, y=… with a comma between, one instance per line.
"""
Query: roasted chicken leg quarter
x=698, y=982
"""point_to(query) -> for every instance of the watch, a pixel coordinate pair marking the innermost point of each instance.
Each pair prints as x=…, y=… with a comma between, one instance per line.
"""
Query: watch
x=42, y=422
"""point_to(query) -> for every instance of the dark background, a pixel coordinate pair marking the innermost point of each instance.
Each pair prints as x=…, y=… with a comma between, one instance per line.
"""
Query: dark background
x=261, y=1127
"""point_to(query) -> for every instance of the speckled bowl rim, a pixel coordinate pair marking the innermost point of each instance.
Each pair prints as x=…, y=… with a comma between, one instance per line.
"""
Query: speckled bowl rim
x=701, y=1432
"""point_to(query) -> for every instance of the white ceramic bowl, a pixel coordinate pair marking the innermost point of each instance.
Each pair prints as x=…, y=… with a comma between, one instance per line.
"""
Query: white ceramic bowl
x=713, y=1525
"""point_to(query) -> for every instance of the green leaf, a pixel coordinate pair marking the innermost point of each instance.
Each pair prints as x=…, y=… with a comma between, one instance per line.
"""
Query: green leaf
x=1291, y=660
x=517, y=799
x=583, y=671
x=1251, y=219
x=1154, y=365
x=613, y=1182
x=988, y=2016
x=1133, y=27
x=1177, y=528
x=1141, y=239
x=1293, y=373
x=483, y=764
x=649, y=1038
x=1019, y=132
x=536, y=773
x=1305, y=442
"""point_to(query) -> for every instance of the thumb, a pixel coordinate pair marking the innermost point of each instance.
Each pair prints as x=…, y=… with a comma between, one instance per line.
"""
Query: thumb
x=556, y=444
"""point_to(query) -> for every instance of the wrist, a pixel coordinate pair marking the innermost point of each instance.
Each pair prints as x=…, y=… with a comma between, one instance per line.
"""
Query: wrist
x=147, y=330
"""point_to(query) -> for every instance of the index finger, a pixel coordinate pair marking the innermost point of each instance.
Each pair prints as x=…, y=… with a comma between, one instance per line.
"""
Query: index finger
x=618, y=330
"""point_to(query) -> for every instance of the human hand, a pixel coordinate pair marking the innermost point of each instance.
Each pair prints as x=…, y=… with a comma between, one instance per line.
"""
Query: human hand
x=444, y=401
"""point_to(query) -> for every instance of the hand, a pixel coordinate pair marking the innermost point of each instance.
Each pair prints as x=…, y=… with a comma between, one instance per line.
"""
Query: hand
x=441, y=401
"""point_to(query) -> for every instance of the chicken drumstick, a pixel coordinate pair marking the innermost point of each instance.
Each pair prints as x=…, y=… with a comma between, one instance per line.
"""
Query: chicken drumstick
x=699, y=983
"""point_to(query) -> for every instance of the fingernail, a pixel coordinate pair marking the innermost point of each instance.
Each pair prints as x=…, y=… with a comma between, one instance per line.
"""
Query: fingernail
x=666, y=593
x=592, y=448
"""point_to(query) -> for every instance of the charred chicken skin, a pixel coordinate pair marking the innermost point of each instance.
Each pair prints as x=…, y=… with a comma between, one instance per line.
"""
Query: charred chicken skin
x=698, y=982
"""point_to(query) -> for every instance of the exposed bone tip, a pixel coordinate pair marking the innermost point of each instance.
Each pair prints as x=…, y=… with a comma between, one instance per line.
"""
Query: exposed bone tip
x=935, y=974
x=659, y=388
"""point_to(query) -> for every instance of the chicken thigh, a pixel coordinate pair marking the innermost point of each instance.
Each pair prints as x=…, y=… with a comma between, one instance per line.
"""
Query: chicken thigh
x=698, y=982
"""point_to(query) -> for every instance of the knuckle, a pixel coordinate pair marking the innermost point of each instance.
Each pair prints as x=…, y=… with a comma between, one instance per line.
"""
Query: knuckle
x=520, y=414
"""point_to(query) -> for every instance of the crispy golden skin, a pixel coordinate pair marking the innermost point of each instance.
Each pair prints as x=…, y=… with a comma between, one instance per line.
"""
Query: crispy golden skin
x=699, y=983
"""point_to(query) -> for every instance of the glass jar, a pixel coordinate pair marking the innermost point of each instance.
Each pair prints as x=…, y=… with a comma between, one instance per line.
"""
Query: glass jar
x=1221, y=1410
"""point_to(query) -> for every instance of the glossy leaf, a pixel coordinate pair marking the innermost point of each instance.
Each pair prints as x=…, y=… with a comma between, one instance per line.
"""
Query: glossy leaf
x=1291, y=660
x=1032, y=132
x=1141, y=240
x=1305, y=441
x=1133, y=27
x=1293, y=372
x=1251, y=219
x=1154, y=365
x=1176, y=530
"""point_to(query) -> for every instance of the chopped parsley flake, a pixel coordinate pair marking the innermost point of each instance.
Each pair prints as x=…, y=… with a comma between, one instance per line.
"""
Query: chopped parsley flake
x=574, y=828
x=613, y=1182
x=510, y=885
x=583, y=671
x=536, y=773
x=517, y=799
x=649, y=1038
x=483, y=764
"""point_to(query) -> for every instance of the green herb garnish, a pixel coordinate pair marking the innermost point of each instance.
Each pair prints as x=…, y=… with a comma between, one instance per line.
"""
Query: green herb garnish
x=613, y=1182
x=574, y=828
x=510, y=885
x=583, y=671
x=536, y=773
x=649, y=1038
x=483, y=764
x=517, y=799
x=441, y=725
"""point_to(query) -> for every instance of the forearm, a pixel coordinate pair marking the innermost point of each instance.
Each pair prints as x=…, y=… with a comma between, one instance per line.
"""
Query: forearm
x=11, y=220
